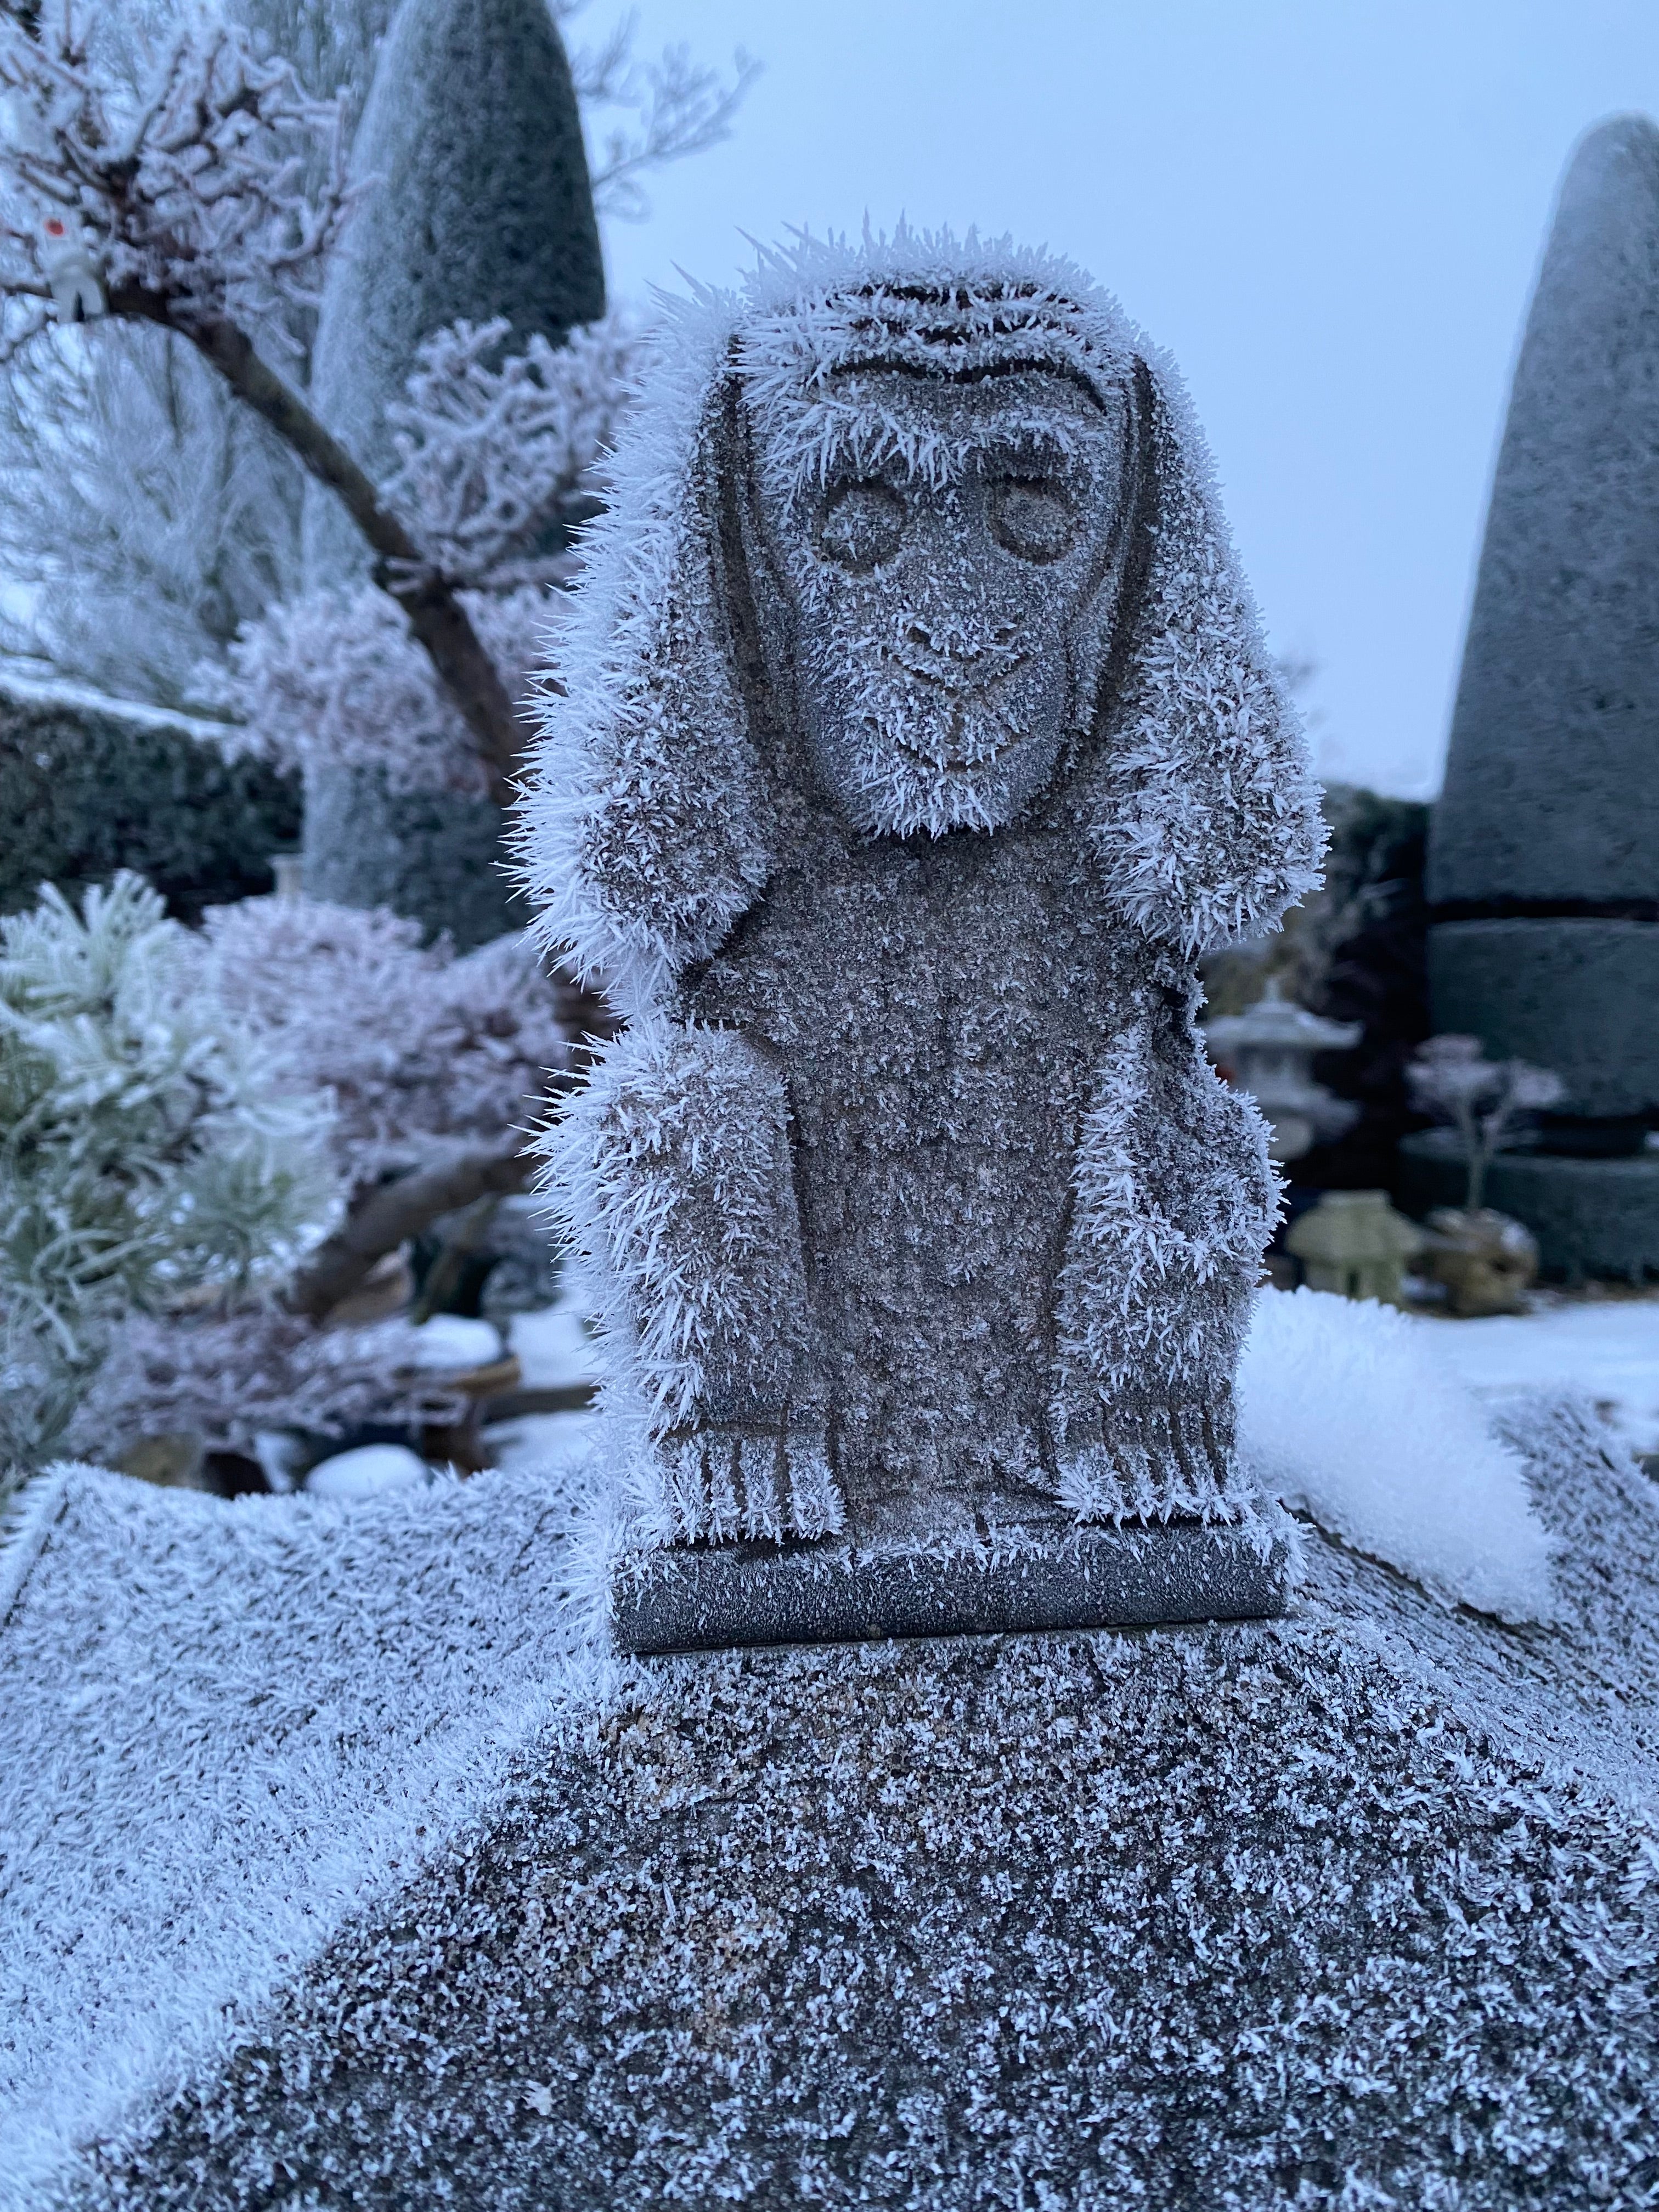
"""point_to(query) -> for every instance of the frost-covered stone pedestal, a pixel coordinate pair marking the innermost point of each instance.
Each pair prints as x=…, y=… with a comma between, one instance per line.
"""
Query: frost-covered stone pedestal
x=1032, y=1575
x=1354, y=1908
x=917, y=735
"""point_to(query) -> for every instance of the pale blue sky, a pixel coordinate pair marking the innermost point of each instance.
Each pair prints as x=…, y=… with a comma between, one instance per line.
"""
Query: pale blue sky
x=1330, y=212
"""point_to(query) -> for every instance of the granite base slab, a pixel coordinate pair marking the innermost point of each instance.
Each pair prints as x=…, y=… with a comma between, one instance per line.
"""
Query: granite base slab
x=1591, y=1217
x=718, y=1597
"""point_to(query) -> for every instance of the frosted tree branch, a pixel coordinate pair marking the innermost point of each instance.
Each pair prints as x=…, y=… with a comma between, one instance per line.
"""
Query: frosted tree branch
x=677, y=106
x=214, y=193
x=1482, y=1099
x=191, y=200
x=497, y=464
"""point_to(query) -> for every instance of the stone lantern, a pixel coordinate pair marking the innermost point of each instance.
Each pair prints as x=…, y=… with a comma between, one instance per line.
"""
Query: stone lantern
x=1269, y=1050
x=1354, y=1242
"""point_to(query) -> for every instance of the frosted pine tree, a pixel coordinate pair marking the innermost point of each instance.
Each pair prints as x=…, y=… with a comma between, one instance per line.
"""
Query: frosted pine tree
x=150, y=1157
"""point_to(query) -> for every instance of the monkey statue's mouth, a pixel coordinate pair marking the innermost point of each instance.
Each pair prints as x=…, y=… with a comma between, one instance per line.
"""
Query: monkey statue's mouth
x=969, y=743
x=959, y=728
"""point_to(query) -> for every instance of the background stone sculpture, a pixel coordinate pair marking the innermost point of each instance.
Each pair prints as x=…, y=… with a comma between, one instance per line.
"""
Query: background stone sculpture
x=920, y=737
x=1542, y=877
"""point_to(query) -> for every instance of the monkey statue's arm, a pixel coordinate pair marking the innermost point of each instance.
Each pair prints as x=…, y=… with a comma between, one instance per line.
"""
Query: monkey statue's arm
x=1174, y=1203
x=676, y=1165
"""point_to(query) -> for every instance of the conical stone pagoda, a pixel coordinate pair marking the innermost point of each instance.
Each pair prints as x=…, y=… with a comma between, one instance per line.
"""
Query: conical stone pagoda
x=476, y=204
x=1544, y=853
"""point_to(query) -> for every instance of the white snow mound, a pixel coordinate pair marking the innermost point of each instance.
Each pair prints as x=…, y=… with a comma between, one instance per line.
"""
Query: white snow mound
x=1348, y=1412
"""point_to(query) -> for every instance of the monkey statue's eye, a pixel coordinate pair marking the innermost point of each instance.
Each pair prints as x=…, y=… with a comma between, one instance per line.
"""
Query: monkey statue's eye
x=1031, y=519
x=863, y=523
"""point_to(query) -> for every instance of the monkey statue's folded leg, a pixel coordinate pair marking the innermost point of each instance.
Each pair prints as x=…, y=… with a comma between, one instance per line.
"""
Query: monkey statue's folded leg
x=1174, y=1203
x=675, y=1158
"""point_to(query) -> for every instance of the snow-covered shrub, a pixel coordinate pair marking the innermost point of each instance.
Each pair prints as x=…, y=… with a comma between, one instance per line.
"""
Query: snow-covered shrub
x=422, y=1053
x=337, y=678
x=226, y=1378
x=151, y=1155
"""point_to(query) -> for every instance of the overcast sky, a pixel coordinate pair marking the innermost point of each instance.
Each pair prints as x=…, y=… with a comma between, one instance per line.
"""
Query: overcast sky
x=1330, y=211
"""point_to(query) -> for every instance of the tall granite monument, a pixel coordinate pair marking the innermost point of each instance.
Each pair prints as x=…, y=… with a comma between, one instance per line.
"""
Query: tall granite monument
x=920, y=737
x=476, y=203
x=1544, y=852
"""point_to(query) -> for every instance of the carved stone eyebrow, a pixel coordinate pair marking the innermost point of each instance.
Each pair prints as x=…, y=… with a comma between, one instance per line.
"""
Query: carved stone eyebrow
x=1030, y=447
x=853, y=434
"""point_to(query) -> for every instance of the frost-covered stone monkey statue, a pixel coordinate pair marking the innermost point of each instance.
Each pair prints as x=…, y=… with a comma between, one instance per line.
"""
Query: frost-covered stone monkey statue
x=918, y=737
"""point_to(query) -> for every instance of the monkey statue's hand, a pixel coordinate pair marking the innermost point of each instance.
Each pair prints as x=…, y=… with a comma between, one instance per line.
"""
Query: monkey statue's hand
x=726, y=1480
x=1148, y=1457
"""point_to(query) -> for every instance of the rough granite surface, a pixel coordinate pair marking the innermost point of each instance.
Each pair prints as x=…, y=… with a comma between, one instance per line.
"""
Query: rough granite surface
x=1551, y=792
x=1357, y=1909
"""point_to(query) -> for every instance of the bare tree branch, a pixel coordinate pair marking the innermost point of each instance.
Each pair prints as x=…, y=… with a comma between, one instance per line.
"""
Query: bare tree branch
x=391, y=1215
x=680, y=106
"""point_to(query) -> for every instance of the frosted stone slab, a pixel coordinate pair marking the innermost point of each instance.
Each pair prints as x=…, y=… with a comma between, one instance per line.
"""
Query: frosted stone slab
x=1571, y=994
x=1590, y=1217
x=702, y=1598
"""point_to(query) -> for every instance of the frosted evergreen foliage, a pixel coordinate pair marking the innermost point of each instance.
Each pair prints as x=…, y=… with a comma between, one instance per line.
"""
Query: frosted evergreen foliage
x=144, y=513
x=148, y=1153
x=918, y=737
x=423, y=1055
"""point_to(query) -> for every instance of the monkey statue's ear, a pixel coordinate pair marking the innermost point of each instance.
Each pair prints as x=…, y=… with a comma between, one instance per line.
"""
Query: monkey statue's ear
x=641, y=834
x=1204, y=810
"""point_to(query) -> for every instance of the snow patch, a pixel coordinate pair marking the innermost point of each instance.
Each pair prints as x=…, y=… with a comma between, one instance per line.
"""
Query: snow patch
x=366, y=1472
x=1348, y=1412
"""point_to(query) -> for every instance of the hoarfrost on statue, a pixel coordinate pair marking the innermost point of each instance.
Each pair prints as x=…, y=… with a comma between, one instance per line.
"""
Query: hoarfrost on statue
x=919, y=736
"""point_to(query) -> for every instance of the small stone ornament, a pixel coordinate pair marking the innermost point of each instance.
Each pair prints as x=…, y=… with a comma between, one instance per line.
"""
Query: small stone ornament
x=1354, y=1244
x=1269, y=1050
x=917, y=737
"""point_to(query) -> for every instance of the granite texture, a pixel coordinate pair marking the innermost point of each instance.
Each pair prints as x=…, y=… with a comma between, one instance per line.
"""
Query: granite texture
x=1552, y=787
x=1354, y=1909
x=1578, y=996
x=708, y=1596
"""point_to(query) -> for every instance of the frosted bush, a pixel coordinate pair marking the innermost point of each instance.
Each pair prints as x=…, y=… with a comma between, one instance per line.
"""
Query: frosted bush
x=497, y=459
x=422, y=1054
x=228, y=1378
x=1482, y=1099
x=150, y=1153
x=500, y=461
x=338, y=678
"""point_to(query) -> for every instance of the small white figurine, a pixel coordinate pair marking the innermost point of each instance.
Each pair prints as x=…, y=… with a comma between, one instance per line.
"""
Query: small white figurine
x=69, y=266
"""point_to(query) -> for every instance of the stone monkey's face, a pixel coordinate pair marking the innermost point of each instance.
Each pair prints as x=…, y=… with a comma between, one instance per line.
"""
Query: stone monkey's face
x=952, y=559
